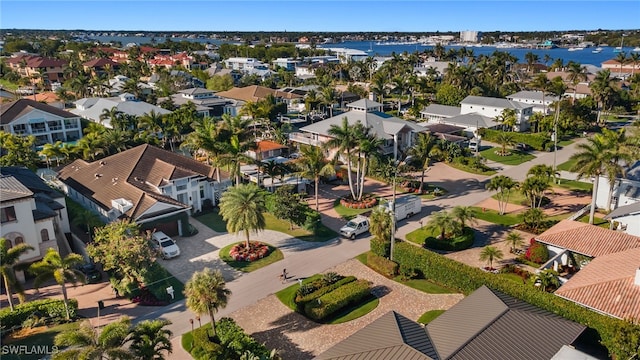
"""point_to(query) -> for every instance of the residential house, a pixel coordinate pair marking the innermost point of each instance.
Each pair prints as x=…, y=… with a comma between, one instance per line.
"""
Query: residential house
x=206, y=101
x=620, y=70
x=47, y=123
x=307, y=71
x=157, y=189
x=626, y=190
x=436, y=113
x=626, y=218
x=32, y=213
x=573, y=244
x=288, y=64
x=255, y=93
x=446, y=132
x=118, y=82
x=169, y=61
x=41, y=70
x=100, y=67
x=541, y=102
x=398, y=135
x=486, y=324
x=267, y=149
x=579, y=90
x=92, y=108
x=609, y=284
x=244, y=64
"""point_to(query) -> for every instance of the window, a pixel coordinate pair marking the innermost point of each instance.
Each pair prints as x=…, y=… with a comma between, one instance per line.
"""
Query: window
x=18, y=240
x=181, y=187
x=8, y=214
x=8, y=244
x=44, y=235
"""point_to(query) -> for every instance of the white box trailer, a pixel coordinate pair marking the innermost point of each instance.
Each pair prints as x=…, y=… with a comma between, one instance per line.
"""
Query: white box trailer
x=406, y=206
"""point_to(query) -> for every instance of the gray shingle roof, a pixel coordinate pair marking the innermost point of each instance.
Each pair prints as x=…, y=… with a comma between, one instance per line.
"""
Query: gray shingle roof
x=137, y=108
x=494, y=102
x=12, y=189
x=623, y=211
x=531, y=95
x=473, y=119
x=365, y=104
x=382, y=125
x=442, y=110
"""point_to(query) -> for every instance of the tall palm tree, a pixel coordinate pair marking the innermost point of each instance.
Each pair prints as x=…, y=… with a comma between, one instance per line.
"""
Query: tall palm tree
x=207, y=137
x=504, y=139
x=88, y=344
x=9, y=258
x=490, y=253
x=242, y=207
x=622, y=59
x=445, y=222
x=112, y=115
x=368, y=147
x=424, y=150
x=542, y=83
x=590, y=161
x=62, y=270
x=344, y=139
x=52, y=151
x=577, y=73
x=534, y=188
x=328, y=97
x=508, y=119
x=634, y=59
x=464, y=214
x=603, y=90
x=531, y=59
x=621, y=150
x=503, y=185
x=206, y=292
x=312, y=165
x=150, y=340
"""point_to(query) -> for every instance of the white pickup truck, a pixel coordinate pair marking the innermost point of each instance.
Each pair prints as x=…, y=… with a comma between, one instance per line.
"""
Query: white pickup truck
x=356, y=226
x=406, y=206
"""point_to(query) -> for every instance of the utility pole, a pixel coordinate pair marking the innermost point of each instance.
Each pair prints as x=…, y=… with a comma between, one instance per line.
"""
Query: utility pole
x=393, y=215
x=555, y=139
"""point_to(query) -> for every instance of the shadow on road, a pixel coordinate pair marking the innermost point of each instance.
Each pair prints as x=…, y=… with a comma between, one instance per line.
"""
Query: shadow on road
x=276, y=337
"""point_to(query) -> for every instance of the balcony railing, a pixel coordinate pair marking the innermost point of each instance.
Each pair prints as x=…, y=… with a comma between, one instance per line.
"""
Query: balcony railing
x=304, y=138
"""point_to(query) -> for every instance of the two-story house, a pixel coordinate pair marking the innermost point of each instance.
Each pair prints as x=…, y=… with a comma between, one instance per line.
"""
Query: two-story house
x=156, y=188
x=32, y=213
x=540, y=101
x=206, y=101
x=47, y=123
x=92, y=108
x=40, y=70
x=398, y=135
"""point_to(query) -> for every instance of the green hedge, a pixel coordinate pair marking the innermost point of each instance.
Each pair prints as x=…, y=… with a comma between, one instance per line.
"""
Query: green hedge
x=301, y=301
x=382, y=265
x=536, y=141
x=229, y=342
x=338, y=299
x=53, y=309
x=616, y=334
x=202, y=348
x=380, y=247
x=457, y=243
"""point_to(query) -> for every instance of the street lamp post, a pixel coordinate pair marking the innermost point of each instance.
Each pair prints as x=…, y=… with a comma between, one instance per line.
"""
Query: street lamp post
x=555, y=139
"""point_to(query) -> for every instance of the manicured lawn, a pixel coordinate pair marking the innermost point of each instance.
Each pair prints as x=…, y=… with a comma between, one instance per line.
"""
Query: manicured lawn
x=470, y=169
x=515, y=158
x=363, y=258
x=425, y=286
x=564, y=143
x=8, y=85
x=567, y=165
x=493, y=216
x=246, y=266
x=44, y=338
x=429, y=316
x=597, y=221
x=512, y=277
x=323, y=233
x=348, y=213
x=366, y=306
x=575, y=185
x=287, y=295
x=418, y=236
x=516, y=197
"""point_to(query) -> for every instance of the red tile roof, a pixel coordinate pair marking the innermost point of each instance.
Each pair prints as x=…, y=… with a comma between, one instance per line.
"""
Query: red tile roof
x=33, y=61
x=255, y=93
x=94, y=63
x=587, y=239
x=607, y=284
x=266, y=145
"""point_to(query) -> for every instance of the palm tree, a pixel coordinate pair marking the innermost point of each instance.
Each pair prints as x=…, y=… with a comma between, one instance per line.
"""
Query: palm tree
x=87, y=344
x=381, y=223
x=514, y=239
x=602, y=89
x=542, y=83
x=464, y=214
x=62, y=270
x=548, y=279
x=504, y=139
x=490, y=253
x=88, y=218
x=312, y=165
x=9, y=258
x=533, y=218
x=52, y=151
x=207, y=137
x=577, y=73
x=590, y=161
x=344, y=138
x=423, y=151
x=445, y=222
x=507, y=118
x=634, y=59
x=503, y=185
x=620, y=149
x=622, y=59
x=150, y=340
x=534, y=188
x=206, y=292
x=112, y=115
x=368, y=147
x=328, y=97
x=242, y=207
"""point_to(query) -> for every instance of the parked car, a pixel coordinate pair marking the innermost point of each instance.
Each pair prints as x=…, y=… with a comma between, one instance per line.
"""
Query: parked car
x=91, y=273
x=165, y=245
x=474, y=144
x=356, y=226
x=523, y=147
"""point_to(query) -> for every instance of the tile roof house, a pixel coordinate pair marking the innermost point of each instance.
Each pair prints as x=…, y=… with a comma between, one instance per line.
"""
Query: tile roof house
x=266, y=149
x=32, y=213
x=609, y=284
x=99, y=67
x=31, y=66
x=46, y=123
x=91, y=108
x=485, y=325
x=255, y=93
x=398, y=135
x=155, y=188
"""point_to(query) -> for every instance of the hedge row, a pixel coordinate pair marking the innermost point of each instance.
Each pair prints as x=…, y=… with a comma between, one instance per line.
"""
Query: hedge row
x=338, y=299
x=536, y=141
x=52, y=309
x=380, y=247
x=382, y=265
x=229, y=342
x=301, y=301
x=460, y=242
x=616, y=335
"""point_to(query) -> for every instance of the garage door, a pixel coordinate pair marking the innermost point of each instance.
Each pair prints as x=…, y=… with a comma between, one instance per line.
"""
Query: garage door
x=169, y=228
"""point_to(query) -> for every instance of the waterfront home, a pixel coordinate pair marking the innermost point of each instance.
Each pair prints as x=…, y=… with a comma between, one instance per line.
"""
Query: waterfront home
x=540, y=101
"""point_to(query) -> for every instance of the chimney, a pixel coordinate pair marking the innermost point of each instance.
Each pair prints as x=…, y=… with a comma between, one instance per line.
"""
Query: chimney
x=637, y=281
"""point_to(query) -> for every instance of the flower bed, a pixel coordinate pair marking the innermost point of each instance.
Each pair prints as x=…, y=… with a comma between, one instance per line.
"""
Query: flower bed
x=257, y=250
x=365, y=203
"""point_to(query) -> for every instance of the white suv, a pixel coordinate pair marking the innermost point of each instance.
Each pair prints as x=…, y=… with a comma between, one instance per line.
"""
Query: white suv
x=165, y=245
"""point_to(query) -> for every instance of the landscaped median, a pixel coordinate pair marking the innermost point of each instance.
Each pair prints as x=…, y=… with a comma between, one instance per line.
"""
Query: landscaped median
x=249, y=263
x=330, y=298
x=512, y=157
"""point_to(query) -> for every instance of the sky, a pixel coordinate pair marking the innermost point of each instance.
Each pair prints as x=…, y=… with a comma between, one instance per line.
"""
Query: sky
x=320, y=15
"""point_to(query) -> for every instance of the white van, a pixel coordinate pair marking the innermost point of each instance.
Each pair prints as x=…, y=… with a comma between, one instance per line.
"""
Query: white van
x=356, y=226
x=474, y=144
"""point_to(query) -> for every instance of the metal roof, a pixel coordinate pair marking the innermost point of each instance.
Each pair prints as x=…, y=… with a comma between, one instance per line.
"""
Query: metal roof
x=382, y=125
x=623, y=211
x=442, y=110
x=494, y=102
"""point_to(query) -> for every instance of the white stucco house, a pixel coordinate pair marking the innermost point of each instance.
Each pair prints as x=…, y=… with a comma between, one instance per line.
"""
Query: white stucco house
x=541, y=102
x=91, y=108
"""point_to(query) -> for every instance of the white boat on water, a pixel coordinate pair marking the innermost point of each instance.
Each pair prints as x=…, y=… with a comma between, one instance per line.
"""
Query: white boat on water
x=597, y=50
x=617, y=49
x=636, y=49
x=576, y=48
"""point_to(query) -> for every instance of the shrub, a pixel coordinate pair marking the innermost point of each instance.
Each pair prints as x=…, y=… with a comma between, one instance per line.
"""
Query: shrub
x=457, y=243
x=233, y=338
x=380, y=247
x=407, y=272
x=338, y=299
x=537, y=253
x=331, y=277
x=50, y=310
x=302, y=300
x=312, y=221
x=202, y=347
x=382, y=265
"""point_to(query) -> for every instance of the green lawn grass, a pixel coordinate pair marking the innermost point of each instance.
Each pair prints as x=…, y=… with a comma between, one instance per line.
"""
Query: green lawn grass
x=6, y=84
x=429, y=316
x=348, y=213
x=351, y=313
x=512, y=277
x=470, y=169
x=425, y=286
x=157, y=279
x=516, y=197
x=418, y=236
x=246, y=266
x=44, y=338
x=567, y=165
x=214, y=221
x=287, y=295
x=363, y=258
x=575, y=185
x=566, y=142
x=515, y=158
x=493, y=216
x=597, y=221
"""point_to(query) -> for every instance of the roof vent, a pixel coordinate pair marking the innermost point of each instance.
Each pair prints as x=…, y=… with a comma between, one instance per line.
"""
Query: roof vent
x=637, y=281
x=103, y=163
x=114, y=179
x=98, y=176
